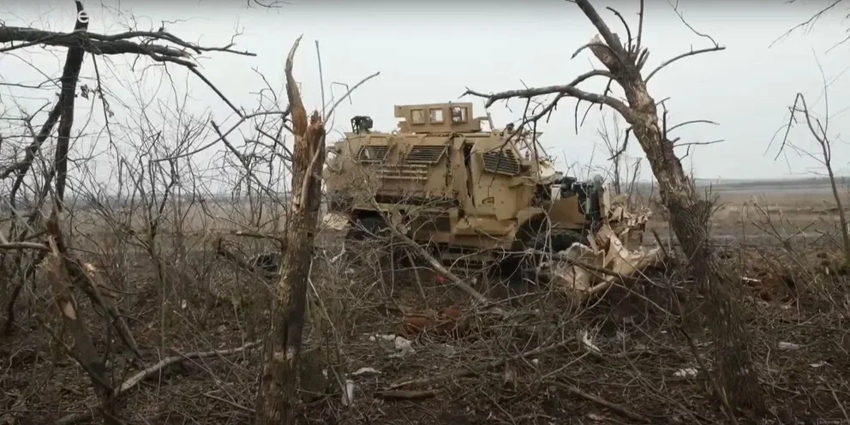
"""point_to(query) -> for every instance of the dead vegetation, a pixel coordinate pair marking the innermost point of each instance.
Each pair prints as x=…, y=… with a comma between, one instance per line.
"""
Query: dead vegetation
x=156, y=301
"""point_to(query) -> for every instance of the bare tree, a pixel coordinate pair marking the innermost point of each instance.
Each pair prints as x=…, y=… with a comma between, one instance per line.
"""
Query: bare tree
x=156, y=45
x=276, y=396
x=690, y=213
x=818, y=129
x=616, y=144
x=809, y=24
x=63, y=270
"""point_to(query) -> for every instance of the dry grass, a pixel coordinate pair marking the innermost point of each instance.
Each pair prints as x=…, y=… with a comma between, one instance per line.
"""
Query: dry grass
x=792, y=294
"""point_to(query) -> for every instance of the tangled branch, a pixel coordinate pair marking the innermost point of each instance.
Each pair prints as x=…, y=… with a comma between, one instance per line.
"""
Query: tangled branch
x=131, y=42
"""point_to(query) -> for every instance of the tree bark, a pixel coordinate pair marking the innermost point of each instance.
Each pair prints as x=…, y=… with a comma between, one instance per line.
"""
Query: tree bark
x=690, y=222
x=276, y=399
x=70, y=75
x=689, y=218
x=82, y=348
x=98, y=44
x=689, y=214
x=842, y=216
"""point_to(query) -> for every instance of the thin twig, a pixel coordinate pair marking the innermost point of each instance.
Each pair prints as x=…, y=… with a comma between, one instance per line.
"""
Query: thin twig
x=348, y=93
x=598, y=400
x=153, y=370
x=232, y=128
x=479, y=368
x=682, y=124
x=682, y=56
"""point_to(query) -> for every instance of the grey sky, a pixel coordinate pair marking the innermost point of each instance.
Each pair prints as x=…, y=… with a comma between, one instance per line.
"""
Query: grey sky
x=429, y=52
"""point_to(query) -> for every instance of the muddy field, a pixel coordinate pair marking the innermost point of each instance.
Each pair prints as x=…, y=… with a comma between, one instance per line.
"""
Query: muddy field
x=621, y=358
x=757, y=212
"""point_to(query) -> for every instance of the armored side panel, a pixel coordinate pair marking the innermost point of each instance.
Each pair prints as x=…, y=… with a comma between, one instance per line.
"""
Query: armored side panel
x=446, y=180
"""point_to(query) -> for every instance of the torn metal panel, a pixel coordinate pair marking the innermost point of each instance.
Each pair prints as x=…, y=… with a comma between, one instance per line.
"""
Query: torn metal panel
x=606, y=251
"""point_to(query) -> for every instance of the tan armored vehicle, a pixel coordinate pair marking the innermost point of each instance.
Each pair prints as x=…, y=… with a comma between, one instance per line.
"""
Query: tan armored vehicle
x=470, y=193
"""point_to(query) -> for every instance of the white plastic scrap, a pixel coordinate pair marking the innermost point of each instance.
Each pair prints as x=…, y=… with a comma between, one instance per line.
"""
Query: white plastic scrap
x=403, y=346
x=338, y=256
x=687, y=372
x=364, y=370
x=788, y=346
x=348, y=395
x=585, y=339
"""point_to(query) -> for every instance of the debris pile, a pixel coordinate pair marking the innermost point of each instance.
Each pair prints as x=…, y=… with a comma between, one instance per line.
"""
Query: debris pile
x=583, y=271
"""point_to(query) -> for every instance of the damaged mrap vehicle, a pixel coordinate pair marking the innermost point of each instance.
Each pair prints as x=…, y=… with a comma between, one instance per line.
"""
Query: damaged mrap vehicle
x=475, y=197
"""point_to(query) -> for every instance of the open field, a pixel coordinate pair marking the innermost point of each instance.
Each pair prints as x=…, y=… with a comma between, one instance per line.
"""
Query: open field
x=641, y=371
x=797, y=209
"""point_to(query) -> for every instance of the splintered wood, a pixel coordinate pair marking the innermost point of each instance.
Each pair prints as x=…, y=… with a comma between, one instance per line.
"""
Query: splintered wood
x=575, y=271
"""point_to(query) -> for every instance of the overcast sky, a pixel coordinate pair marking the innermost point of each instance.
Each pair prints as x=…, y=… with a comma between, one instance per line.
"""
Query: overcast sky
x=430, y=51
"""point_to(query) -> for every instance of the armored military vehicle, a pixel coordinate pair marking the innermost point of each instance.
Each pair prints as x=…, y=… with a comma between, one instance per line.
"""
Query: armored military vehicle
x=481, y=195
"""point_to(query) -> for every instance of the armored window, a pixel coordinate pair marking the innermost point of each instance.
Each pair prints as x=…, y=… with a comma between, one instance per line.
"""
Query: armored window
x=417, y=116
x=426, y=154
x=458, y=114
x=501, y=162
x=372, y=153
x=436, y=116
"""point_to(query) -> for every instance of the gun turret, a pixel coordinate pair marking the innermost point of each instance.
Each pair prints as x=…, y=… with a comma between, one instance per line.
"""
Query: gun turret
x=361, y=123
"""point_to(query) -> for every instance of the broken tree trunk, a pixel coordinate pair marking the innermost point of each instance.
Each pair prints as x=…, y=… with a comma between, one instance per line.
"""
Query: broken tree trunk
x=82, y=348
x=689, y=216
x=64, y=111
x=276, y=399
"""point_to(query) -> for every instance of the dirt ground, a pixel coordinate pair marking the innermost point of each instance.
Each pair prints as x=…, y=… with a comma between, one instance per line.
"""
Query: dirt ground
x=621, y=359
